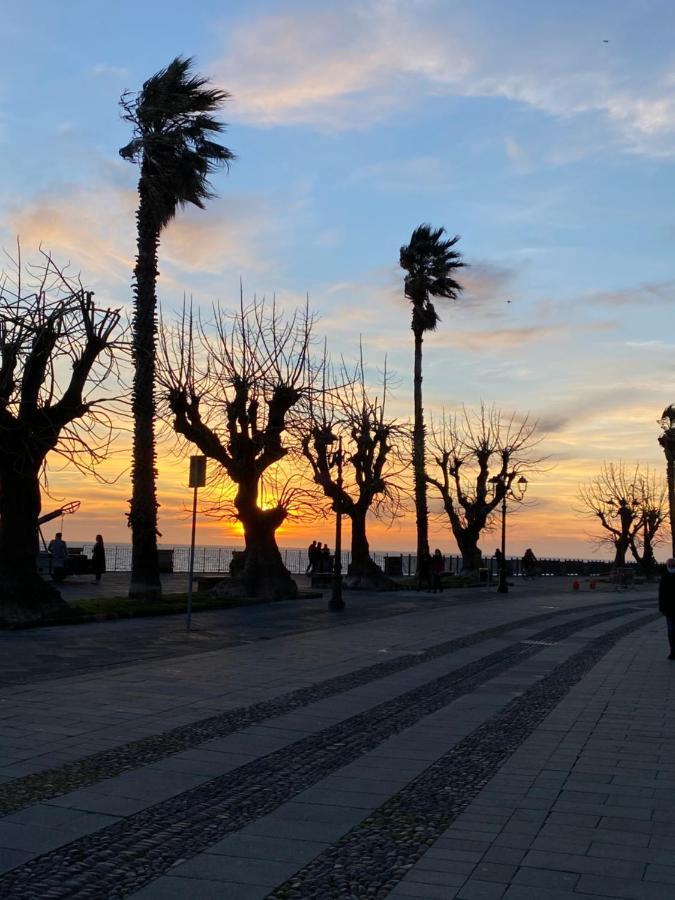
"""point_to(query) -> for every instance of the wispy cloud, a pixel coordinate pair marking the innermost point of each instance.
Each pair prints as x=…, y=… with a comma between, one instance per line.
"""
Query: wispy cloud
x=366, y=62
x=93, y=227
x=639, y=295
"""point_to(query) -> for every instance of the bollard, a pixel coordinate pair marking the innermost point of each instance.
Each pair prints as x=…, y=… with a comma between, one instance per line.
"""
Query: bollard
x=575, y=585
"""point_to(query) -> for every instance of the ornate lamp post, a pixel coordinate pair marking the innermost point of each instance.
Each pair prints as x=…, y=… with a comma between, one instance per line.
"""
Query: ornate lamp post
x=500, y=485
x=667, y=441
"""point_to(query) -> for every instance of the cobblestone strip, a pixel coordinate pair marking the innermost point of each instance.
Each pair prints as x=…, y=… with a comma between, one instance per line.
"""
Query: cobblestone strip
x=371, y=859
x=104, y=764
x=118, y=860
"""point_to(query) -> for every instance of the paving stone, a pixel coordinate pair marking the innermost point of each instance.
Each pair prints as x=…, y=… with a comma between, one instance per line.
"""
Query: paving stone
x=481, y=890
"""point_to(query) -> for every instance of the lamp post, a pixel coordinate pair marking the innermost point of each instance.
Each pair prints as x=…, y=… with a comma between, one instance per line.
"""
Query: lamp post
x=336, y=602
x=667, y=441
x=504, y=485
x=197, y=480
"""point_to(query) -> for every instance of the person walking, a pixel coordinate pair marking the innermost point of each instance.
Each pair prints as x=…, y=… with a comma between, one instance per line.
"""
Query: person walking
x=667, y=602
x=59, y=552
x=311, y=558
x=98, y=558
x=437, y=567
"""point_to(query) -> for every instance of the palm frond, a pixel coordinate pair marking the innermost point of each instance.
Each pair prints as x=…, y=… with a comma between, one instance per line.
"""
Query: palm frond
x=430, y=262
x=173, y=126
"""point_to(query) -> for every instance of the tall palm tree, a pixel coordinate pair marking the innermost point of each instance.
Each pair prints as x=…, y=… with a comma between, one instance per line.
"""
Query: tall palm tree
x=429, y=262
x=667, y=441
x=172, y=129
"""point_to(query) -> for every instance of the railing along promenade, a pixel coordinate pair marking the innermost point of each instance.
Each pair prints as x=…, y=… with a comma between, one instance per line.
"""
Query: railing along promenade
x=217, y=560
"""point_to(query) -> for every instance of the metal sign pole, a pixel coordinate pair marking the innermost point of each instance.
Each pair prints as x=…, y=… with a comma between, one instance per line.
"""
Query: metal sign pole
x=192, y=559
x=197, y=480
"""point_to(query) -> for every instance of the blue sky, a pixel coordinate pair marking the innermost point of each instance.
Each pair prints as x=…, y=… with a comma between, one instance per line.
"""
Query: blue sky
x=513, y=124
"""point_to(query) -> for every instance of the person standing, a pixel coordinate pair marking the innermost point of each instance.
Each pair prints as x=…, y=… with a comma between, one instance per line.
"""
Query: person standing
x=98, y=558
x=437, y=567
x=667, y=602
x=59, y=552
x=529, y=564
x=311, y=557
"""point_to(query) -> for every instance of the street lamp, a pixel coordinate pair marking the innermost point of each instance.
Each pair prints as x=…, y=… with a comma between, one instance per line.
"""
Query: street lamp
x=504, y=485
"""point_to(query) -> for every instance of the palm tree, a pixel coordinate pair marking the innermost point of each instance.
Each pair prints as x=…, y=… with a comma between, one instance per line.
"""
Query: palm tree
x=172, y=129
x=667, y=441
x=429, y=262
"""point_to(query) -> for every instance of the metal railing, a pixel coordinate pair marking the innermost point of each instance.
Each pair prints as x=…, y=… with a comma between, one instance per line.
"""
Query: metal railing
x=217, y=560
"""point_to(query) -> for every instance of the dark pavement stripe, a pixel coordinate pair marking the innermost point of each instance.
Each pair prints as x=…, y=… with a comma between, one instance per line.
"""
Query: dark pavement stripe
x=121, y=858
x=105, y=764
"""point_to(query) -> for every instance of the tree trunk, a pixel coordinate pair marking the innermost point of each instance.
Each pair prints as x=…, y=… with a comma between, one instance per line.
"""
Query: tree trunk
x=421, y=512
x=264, y=574
x=670, y=478
x=24, y=597
x=145, y=582
x=467, y=542
x=621, y=547
x=363, y=573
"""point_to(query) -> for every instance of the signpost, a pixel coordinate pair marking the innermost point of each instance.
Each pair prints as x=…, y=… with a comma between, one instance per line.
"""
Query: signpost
x=197, y=480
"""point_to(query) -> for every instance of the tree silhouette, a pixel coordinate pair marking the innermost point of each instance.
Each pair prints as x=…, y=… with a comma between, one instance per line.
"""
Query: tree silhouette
x=348, y=409
x=430, y=262
x=173, y=130
x=630, y=507
x=465, y=452
x=667, y=441
x=232, y=389
x=56, y=351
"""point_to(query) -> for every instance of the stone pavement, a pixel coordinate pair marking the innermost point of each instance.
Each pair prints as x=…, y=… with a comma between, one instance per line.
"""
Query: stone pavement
x=464, y=746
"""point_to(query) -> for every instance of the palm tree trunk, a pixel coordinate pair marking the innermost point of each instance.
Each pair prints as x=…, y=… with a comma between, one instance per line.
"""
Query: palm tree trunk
x=670, y=478
x=421, y=512
x=145, y=581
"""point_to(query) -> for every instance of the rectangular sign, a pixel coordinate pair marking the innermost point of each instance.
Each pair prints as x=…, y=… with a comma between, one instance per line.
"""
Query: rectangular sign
x=197, y=471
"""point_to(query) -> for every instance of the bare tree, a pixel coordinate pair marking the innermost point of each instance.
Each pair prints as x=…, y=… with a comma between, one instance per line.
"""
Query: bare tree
x=347, y=409
x=57, y=348
x=232, y=387
x=653, y=512
x=630, y=506
x=467, y=452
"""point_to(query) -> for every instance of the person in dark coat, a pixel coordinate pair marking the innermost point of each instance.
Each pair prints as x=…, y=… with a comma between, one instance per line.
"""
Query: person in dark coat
x=437, y=569
x=667, y=602
x=311, y=558
x=98, y=558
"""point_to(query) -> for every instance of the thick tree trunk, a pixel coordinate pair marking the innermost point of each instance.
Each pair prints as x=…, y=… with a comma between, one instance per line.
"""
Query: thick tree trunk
x=264, y=574
x=363, y=573
x=145, y=581
x=467, y=541
x=24, y=597
x=421, y=511
x=621, y=548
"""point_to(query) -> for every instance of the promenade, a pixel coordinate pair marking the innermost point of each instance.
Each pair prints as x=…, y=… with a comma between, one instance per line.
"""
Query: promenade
x=469, y=745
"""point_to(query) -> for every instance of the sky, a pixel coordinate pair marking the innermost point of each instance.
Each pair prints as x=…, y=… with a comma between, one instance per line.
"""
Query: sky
x=542, y=134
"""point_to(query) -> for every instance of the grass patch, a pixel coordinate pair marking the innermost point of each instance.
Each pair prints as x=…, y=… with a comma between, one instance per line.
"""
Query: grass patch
x=102, y=609
x=97, y=609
